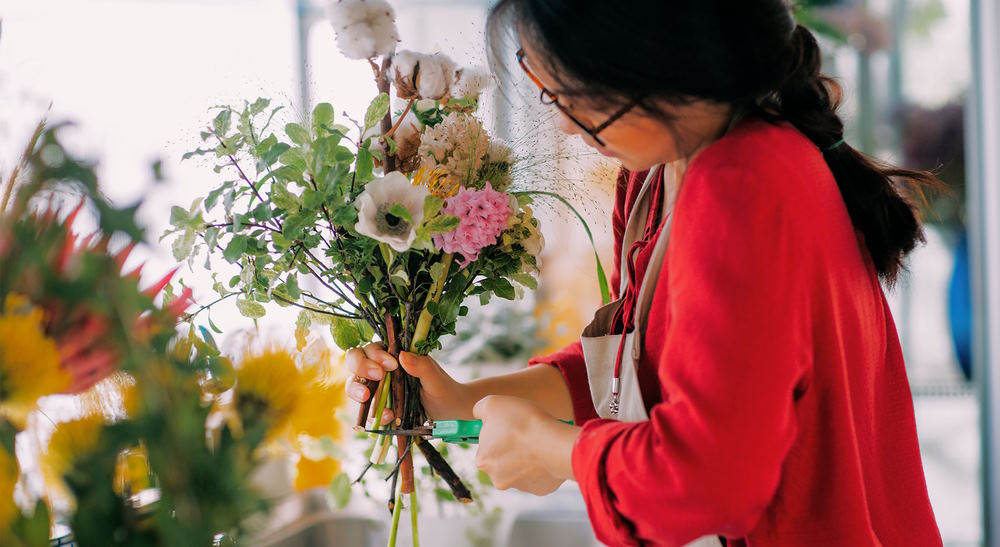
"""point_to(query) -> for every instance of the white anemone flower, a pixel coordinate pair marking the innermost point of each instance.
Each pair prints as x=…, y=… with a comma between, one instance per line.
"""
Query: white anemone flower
x=364, y=28
x=374, y=205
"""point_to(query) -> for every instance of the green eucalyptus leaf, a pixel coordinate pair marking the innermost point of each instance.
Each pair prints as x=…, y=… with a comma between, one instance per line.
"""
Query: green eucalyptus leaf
x=223, y=122
x=184, y=244
x=345, y=333
x=340, y=491
x=432, y=205
x=443, y=224
x=250, y=309
x=376, y=111
x=322, y=117
x=399, y=211
x=236, y=248
x=299, y=135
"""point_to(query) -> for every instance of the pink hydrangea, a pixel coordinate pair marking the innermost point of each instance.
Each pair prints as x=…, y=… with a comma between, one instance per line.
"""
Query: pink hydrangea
x=483, y=216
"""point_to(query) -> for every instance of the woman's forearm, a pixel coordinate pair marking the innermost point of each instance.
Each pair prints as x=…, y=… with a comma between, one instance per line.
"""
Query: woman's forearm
x=542, y=384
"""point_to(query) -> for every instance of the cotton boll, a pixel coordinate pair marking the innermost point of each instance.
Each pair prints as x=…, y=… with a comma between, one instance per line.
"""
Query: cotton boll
x=403, y=73
x=470, y=83
x=364, y=28
x=436, y=76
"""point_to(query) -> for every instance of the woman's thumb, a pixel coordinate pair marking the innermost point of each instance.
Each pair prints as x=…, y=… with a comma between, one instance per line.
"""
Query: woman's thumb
x=416, y=365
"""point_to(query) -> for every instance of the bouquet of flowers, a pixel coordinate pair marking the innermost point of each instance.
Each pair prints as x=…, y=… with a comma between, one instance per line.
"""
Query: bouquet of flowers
x=378, y=228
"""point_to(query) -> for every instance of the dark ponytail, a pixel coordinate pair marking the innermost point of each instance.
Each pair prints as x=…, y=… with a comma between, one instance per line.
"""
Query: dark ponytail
x=747, y=53
x=873, y=191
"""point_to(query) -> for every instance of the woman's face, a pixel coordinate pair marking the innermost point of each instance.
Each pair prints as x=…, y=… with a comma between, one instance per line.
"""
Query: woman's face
x=638, y=139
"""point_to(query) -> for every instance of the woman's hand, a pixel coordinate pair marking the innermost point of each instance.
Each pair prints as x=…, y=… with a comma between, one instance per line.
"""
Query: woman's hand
x=523, y=447
x=442, y=396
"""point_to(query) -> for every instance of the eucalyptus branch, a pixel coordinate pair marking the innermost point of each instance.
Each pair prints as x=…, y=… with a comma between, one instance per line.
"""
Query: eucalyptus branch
x=307, y=308
x=330, y=305
x=195, y=313
x=270, y=174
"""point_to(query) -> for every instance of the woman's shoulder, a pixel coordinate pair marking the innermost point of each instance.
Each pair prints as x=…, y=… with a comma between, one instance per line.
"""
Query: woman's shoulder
x=759, y=146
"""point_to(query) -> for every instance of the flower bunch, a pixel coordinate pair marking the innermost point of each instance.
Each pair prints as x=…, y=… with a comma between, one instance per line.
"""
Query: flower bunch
x=377, y=229
x=482, y=216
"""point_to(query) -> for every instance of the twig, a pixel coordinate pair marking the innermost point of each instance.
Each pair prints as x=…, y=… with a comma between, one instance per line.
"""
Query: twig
x=399, y=122
x=307, y=308
x=441, y=467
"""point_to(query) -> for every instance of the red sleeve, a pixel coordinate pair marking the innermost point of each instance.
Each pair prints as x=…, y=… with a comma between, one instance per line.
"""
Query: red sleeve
x=708, y=461
x=569, y=360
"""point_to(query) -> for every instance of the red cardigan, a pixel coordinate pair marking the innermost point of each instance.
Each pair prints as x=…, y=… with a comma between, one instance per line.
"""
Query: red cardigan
x=780, y=411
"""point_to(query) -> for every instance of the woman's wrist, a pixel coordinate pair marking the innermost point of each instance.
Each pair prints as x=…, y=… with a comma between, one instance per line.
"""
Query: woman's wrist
x=555, y=450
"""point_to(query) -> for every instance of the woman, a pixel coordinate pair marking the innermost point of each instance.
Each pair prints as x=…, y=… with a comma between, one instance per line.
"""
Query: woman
x=749, y=382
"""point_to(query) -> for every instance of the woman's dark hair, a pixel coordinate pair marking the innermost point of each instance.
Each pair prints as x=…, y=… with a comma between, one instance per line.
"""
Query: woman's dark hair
x=747, y=53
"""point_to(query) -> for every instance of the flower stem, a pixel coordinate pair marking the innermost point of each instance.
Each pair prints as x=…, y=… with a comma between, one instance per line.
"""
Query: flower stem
x=413, y=519
x=433, y=295
x=396, y=511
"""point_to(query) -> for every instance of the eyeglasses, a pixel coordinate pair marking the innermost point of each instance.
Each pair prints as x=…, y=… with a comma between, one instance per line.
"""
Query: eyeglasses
x=549, y=98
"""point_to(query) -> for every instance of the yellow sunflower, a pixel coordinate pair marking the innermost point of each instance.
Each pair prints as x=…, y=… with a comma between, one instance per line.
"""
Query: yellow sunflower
x=268, y=387
x=30, y=366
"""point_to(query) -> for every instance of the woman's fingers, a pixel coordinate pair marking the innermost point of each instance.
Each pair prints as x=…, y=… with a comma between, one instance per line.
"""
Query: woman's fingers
x=369, y=363
x=376, y=353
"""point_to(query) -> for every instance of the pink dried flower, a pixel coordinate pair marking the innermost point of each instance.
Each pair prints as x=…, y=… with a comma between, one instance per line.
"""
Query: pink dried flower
x=483, y=216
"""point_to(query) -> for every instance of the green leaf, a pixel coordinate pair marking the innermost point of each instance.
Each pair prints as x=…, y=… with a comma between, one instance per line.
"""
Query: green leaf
x=345, y=333
x=222, y=122
x=272, y=154
x=179, y=217
x=340, y=491
x=365, y=167
x=292, y=286
x=377, y=110
x=234, y=251
x=250, y=309
x=298, y=134
x=284, y=199
x=432, y=205
x=399, y=211
x=294, y=158
x=322, y=117
x=527, y=280
x=367, y=332
x=443, y=223
x=184, y=244
x=259, y=106
x=214, y=195
x=500, y=287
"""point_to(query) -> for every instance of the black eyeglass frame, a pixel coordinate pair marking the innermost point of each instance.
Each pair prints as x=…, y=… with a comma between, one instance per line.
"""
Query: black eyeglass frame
x=548, y=97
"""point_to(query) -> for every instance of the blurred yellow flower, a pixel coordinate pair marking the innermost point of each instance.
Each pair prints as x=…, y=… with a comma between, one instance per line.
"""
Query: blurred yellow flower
x=30, y=366
x=269, y=385
x=8, y=479
x=316, y=412
x=70, y=441
x=315, y=473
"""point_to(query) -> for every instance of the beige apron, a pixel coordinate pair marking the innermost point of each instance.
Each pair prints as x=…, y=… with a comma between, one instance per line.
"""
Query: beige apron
x=620, y=398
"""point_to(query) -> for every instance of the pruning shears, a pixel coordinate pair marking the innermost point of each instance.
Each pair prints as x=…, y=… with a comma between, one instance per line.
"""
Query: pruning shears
x=449, y=431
